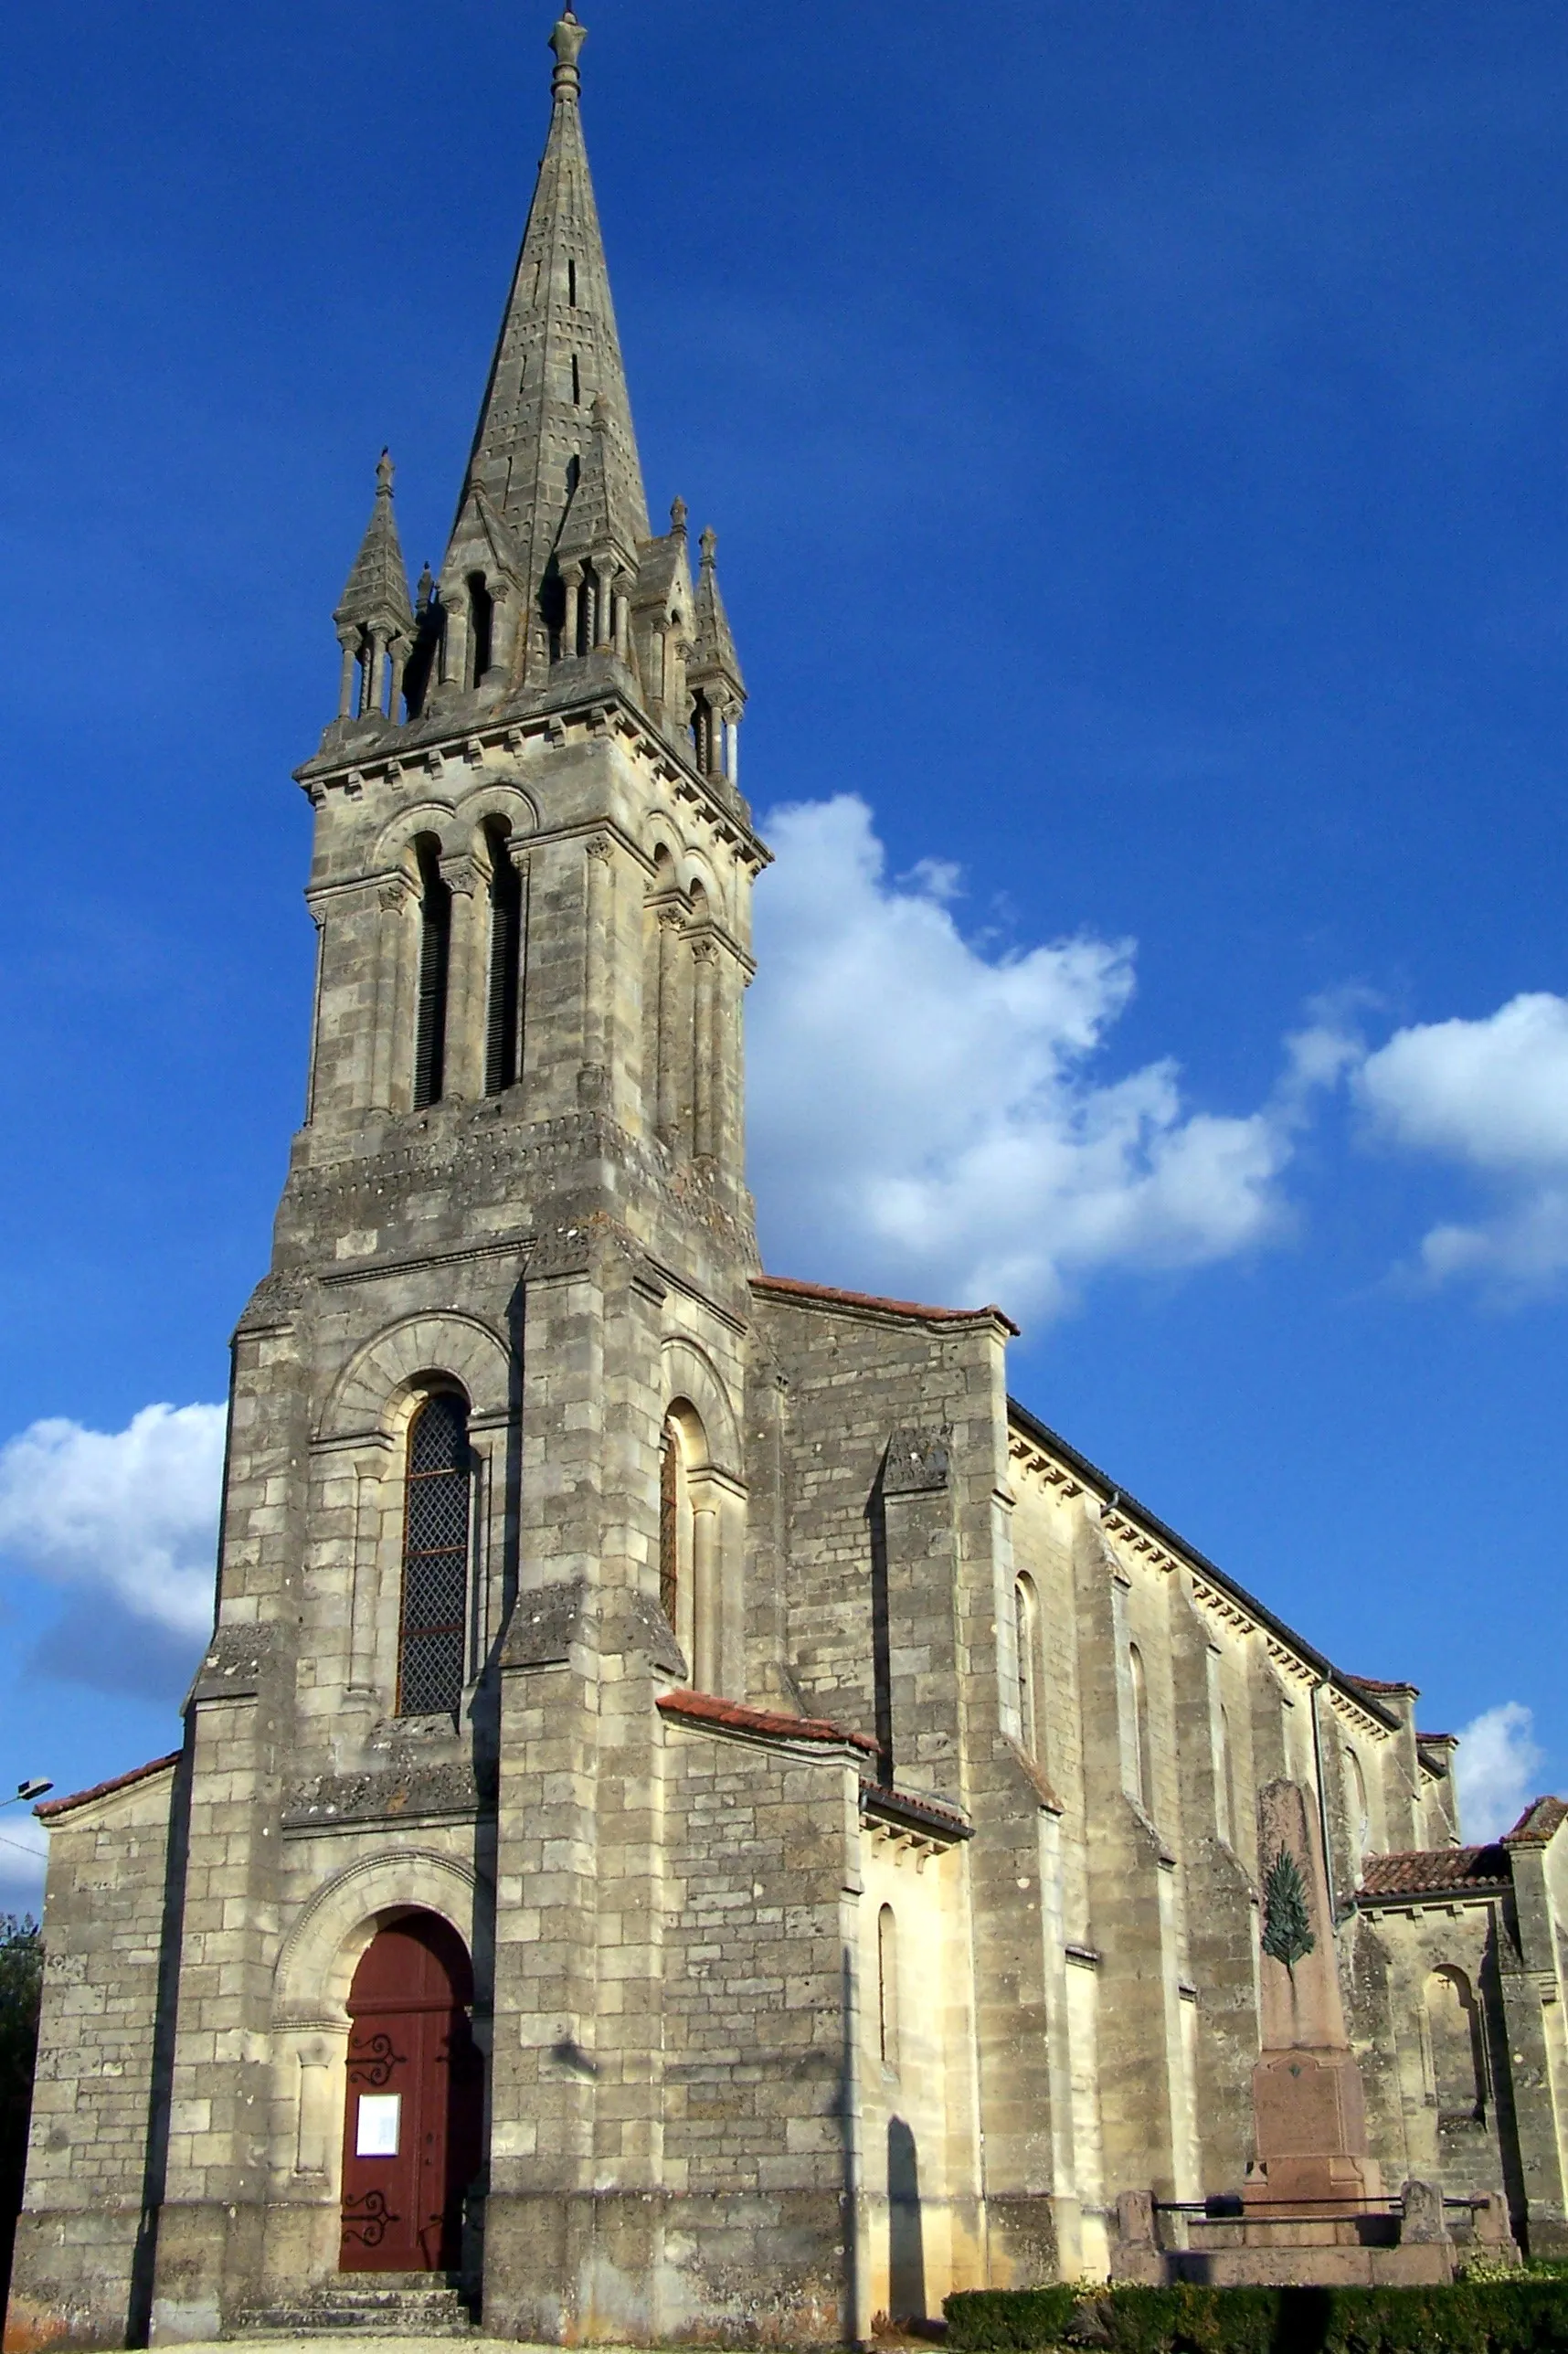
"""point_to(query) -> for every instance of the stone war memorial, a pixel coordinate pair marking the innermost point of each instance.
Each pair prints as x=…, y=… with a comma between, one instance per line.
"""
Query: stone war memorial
x=701, y=1818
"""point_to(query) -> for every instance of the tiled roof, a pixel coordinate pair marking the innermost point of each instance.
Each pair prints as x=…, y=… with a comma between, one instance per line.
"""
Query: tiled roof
x=1425, y=1872
x=52, y=1806
x=914, y=1810
x=1540, y=1819
x=1376, y=1684
x=789, y=1288
x=734, y=1716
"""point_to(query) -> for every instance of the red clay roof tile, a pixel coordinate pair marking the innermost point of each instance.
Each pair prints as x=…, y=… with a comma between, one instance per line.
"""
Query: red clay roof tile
x=51, y=1807
x=791, y=1289
x=1422, y=1872
x=734, y=1716
x=1540, y=1819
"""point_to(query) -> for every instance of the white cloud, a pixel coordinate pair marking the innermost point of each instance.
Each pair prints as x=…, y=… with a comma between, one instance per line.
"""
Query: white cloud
x=924, y=1116
x=1495, y=1768
x=131, y=1513
x=24, y=1846
x=1490, y=1096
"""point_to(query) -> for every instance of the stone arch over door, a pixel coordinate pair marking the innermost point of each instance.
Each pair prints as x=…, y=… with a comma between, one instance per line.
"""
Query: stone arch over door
x=311, y=1986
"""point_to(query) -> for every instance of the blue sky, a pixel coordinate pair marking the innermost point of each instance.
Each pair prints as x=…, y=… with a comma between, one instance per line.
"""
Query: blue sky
x=1137, y=436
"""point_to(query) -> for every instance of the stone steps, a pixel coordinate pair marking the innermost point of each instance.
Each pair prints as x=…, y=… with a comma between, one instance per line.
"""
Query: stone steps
x=373, y=2305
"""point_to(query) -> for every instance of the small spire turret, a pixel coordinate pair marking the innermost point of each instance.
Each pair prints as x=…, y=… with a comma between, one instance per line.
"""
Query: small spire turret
x=713, y=673
x=374, y=617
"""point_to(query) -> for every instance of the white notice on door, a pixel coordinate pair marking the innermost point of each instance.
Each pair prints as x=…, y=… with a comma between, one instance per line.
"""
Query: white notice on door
x=377, y=2134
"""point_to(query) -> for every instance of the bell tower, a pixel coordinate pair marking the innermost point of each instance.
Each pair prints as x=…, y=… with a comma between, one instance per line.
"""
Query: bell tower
x=485, y=1494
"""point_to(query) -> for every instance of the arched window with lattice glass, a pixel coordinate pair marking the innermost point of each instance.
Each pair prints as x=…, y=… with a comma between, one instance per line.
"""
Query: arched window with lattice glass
x=432, y=1645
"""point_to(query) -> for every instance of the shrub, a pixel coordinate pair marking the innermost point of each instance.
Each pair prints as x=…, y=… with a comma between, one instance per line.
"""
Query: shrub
x=1517, y=2315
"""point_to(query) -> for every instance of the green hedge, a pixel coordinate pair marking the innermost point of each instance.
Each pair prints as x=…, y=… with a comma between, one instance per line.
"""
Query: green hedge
x=1518, y=2316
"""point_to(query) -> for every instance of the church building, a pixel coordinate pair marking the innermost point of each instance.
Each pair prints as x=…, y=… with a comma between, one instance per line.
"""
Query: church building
x=701, y=1818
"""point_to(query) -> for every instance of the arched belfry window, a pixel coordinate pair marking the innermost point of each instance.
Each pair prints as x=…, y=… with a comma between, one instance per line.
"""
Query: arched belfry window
x=435, y=955
x=431, y=1642
x=501, y=1037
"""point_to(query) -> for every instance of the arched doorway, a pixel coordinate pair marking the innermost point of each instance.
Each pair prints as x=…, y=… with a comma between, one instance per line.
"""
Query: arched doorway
x=413, y=2117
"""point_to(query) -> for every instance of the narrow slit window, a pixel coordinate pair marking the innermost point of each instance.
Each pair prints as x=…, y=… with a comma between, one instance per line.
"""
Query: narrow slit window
x=1024, y=1618
x=481, y=629
x=501, y=1059
x=887, y=1988
x=576, y=382
x=670, y=1525
x=435, y=956
x=435, y=1559
x=1143, y=1761
x=572, y=284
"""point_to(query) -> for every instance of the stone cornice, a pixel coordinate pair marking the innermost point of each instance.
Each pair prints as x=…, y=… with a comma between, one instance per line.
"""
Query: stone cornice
x=1041, y=1454
x=386, y=752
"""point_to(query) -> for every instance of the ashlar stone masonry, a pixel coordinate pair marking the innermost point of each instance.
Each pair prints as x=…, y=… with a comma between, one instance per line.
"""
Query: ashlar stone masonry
x=683, y=1734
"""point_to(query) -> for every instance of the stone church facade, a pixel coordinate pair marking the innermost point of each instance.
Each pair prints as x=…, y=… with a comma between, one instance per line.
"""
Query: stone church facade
x=701, y=1818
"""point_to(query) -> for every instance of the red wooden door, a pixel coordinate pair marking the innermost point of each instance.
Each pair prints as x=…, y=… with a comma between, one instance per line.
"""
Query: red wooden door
x=413, y=2117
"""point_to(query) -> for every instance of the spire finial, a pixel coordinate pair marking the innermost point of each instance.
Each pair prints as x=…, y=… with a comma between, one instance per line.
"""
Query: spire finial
x=709, y=546
x=385, y=470
x=567, y=40
x=678, y=517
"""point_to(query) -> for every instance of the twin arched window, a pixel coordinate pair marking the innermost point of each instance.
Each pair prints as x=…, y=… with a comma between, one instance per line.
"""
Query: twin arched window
x=503, y=999
x=432, y=1637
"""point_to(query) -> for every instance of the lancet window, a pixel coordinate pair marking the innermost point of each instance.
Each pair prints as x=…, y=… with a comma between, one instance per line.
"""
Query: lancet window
x=887, y=1988
x=1026, y=1637
x=432, y=1643
x=1143, y=1761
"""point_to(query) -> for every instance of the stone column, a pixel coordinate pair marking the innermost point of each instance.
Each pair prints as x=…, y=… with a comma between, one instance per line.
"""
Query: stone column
x=598, y=1013
x=349, y=641
x=393, y=902
x=463, y=1072
x=670, y=921
x=706, y=1568
x=572, y=579
x=704, y=1077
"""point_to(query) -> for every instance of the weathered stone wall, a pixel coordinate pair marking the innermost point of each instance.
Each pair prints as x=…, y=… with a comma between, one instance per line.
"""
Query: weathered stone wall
x=81, y=2273
x=761, y=1993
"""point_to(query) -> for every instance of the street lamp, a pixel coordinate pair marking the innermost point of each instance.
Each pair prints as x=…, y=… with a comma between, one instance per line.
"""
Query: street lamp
x=34, y=1789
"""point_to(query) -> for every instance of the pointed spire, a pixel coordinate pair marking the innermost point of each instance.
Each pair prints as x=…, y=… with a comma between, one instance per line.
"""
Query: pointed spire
x=713, y=656
x=375, y=596
x=558, y=353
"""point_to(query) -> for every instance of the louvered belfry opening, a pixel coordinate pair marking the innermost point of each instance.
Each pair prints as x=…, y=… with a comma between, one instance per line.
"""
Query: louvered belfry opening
x=435, y=1559
x=435, y=956
x=502, y=1026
